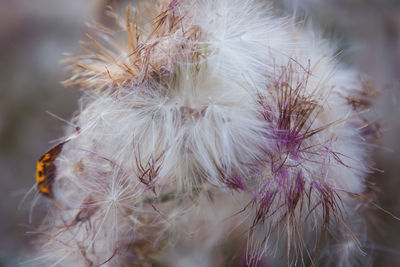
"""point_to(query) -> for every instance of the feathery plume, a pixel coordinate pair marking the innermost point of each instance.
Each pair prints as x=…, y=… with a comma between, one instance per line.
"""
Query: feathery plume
x=212, y=121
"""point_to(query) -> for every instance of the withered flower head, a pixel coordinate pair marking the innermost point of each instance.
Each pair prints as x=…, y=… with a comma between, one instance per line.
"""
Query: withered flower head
x=212, y=121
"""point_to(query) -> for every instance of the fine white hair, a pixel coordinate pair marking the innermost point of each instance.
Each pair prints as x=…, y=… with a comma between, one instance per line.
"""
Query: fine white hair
x=214, y=121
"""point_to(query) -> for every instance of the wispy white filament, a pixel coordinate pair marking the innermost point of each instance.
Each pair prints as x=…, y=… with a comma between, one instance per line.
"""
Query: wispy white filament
x=216, y=121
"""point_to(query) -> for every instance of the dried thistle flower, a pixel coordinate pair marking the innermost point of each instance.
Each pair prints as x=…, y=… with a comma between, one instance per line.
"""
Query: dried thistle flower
x=212, y=120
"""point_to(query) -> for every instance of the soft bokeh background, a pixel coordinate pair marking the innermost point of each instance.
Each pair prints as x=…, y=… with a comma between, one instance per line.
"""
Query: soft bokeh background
x=35, y=34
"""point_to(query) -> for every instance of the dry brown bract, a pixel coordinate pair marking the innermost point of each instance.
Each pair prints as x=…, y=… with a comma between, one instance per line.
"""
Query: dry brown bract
x=150, y=53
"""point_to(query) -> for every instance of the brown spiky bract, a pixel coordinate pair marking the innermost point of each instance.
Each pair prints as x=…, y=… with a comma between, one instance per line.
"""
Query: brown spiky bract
x=149, y=57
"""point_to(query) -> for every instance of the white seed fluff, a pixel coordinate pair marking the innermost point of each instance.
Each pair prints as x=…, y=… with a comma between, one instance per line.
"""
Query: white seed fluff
x=215, y=124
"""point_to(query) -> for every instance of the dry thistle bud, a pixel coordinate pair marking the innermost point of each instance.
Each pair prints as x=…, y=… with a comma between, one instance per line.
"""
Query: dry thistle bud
x=212, y=123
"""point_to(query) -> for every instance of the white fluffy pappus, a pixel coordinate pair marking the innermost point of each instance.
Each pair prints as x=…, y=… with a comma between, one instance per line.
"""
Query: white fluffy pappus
x=213, y=124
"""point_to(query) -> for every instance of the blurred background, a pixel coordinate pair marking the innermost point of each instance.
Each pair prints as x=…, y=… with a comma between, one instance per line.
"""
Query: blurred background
x=35, y=34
